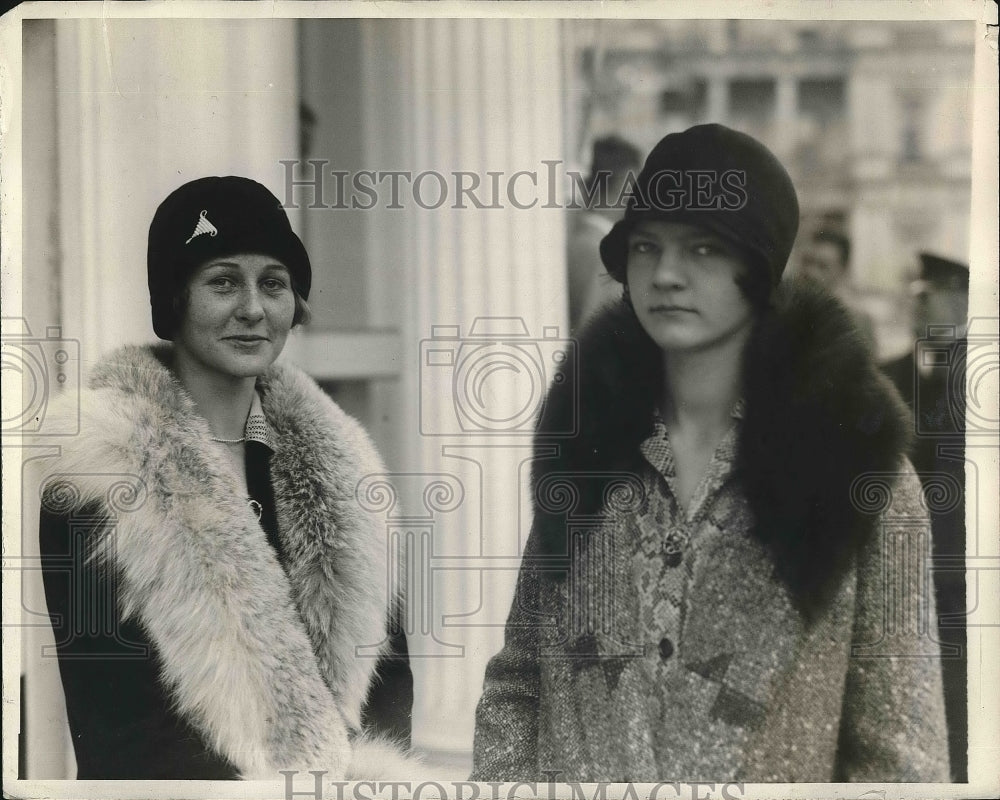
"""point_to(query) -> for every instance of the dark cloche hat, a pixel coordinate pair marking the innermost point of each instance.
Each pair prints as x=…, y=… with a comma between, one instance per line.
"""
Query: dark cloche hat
x=212, y=217
x=719, y=179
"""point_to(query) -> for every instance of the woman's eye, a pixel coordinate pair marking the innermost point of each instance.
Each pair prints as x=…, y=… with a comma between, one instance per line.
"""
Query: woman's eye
x=273, y=284
x=221, y=282
x=706, y=249
x=642, y=247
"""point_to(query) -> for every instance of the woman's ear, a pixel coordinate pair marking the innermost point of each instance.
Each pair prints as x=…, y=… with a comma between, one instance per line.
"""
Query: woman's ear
x=302, y=311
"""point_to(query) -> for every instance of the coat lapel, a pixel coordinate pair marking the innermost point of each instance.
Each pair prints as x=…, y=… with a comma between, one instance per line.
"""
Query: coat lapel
x=338, y=562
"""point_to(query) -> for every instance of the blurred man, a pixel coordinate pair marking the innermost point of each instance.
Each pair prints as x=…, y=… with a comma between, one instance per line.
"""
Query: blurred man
x=613, y=160
x=931, y=378
x=826, y=260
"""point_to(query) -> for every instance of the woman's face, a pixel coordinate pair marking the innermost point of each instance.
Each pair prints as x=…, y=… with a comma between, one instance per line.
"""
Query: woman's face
x=682, y=280
x=238, y=314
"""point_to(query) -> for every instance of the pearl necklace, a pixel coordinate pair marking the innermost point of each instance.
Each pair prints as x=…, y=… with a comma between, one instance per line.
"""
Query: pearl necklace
x=228, y=441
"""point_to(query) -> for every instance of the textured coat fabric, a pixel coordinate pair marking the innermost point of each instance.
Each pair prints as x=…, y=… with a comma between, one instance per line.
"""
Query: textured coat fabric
x=260, y=663
x=787, y=606
x=937, y=407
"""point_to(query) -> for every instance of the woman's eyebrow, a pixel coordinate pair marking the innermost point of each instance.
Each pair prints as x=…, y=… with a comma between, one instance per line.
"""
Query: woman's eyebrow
x=639, y=230
x=702, y=234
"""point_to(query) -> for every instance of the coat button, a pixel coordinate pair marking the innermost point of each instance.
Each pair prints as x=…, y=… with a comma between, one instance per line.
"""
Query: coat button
x=666, y=648
x=673, y=558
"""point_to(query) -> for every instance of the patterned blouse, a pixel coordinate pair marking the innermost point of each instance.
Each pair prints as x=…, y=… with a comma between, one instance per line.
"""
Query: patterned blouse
x=667, y=544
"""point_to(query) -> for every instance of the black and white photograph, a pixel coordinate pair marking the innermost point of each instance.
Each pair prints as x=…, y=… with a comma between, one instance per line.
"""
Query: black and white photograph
x=500, y=400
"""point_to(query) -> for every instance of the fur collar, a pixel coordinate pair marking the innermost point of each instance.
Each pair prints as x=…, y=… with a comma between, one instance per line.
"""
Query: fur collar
x=818, y=414
x=263, y=664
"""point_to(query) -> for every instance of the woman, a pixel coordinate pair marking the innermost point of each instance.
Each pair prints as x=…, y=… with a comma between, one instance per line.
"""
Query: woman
x=210, y=572
x=702, y=593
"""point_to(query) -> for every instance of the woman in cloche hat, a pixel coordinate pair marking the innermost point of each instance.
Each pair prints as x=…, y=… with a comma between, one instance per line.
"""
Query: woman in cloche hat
x=209, y=568
x=705, y=589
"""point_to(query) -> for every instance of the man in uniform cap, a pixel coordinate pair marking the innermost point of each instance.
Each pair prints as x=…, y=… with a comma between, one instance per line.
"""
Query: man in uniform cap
x=931, y=379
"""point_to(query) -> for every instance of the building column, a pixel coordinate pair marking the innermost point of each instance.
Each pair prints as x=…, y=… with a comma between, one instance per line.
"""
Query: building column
x=482, y=97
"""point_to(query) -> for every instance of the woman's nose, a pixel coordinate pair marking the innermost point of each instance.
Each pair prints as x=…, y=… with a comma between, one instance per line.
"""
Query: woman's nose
x=669, y=271
x=250, y=306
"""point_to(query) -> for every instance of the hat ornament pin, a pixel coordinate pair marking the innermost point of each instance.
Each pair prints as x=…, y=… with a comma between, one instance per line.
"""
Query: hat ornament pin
x=203, y=226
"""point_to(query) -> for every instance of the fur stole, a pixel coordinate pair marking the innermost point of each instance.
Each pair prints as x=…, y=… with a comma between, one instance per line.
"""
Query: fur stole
x=818, y=414
x=264, y=664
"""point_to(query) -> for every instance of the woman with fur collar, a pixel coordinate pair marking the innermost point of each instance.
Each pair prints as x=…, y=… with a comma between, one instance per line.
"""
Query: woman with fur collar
x=218, y=588
x=726, y=577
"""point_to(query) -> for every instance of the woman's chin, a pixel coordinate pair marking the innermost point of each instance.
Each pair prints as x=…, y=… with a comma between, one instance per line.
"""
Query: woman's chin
x=247, y=366
x=675, y=339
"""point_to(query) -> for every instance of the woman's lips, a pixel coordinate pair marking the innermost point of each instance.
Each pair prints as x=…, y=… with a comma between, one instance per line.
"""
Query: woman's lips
x=668, y=309
x=247, y=340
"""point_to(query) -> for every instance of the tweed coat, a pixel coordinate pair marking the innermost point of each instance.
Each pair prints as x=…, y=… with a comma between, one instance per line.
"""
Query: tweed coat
x=260, y=665
x=786, y=670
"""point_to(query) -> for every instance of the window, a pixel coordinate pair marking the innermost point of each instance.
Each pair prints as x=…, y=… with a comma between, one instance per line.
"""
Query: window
x=822, y=99
x=752, y=99
x=689, y=99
